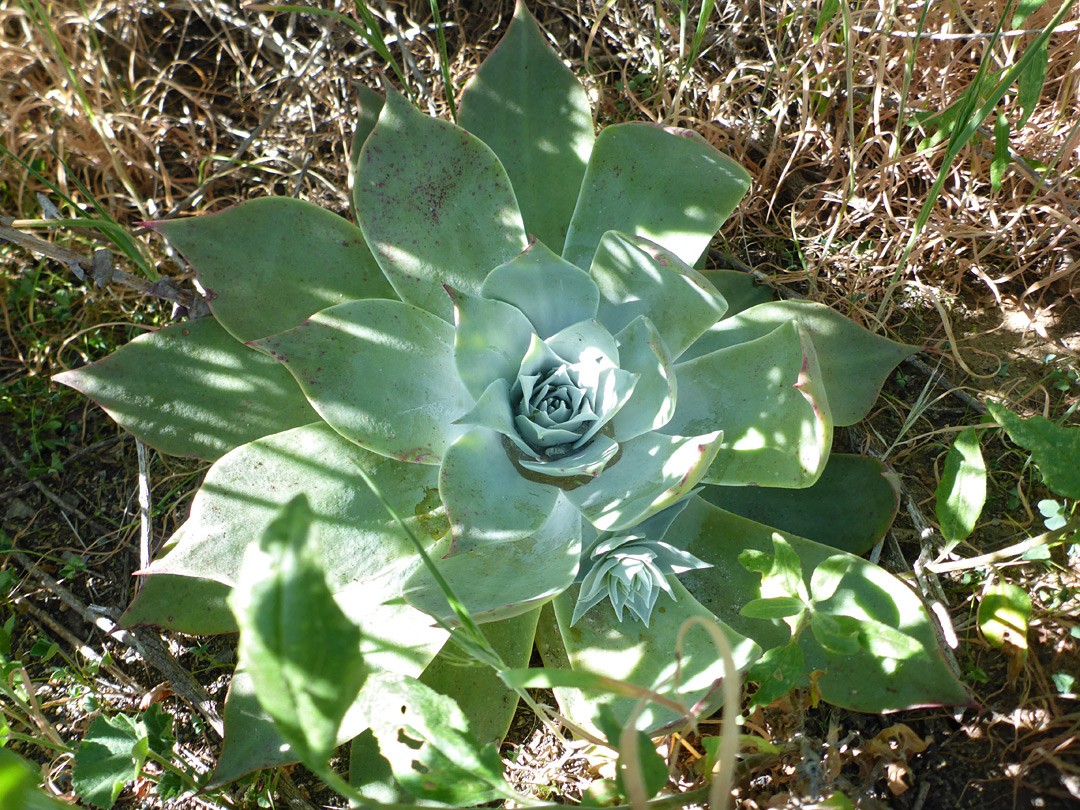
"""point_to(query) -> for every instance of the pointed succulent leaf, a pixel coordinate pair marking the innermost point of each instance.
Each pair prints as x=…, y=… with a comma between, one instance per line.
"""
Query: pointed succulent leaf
x=766, y=396
x=643, y=655
x=435, y=206
x=192, y=605
x=498, y=582
x=306, y=674
x=268, y=264
x=585, y=341
x=551, y=292
x=191, y=390
x=642, y=351
x=492, y=410
x=480, y=693
x=666, y=184
x=369, y=106
x=590, y=460
x=861, y=681
x=854, y=362
x=531, y=110
x=490, y=340
x=487, y=500
x=380, y=373
x=637, y=277
x=740, y=290
x=850, y=507
x=366, y=555
x=652, y=473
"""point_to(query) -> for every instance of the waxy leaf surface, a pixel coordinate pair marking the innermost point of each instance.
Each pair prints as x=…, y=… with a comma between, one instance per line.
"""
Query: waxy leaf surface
x=366, y=556
x=529, y=108
x=854, y=362
x=668, y=185
x=435, y=206
x=191, y=390
x=381, y=373
x=268, y=264
x=850, y=507
x=766, y=396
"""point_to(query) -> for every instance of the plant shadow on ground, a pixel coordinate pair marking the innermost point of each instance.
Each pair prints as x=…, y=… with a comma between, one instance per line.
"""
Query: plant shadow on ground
x=215, y=105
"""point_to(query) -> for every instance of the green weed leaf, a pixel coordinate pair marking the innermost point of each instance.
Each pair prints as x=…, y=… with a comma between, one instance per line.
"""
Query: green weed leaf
x=1029, y=83
x=1024, y=9
x=427, y=741
x=776, y=673
x=1054, y=449
x=1001, y=158
x=110, y=756
x=303, y=652
x=776, y=608
x=18, y=786
x=1003, y=616
x=962, y=491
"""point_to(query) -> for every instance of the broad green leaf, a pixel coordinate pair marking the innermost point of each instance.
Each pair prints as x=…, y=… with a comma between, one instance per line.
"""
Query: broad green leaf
x=962, y=491
x=251, y=741
x=380, y=373
x=861, y=681
x=600, y=645
x=490, y=340
x=766, y=395
x=19, y=786
x=740, y=290
x=427, y=741
x=854, y=363
x=850, y=507
x=192, y=605
x=776, y=673
x=508, y=579
x=1054, y=449
x=435, y=206
x=367, y=557
x=1000, y=161
x=642, y=352
x=552, y=293
x=268, y=264
x=651, y=473
x=303, y=652
x=781, y=571
x=776, y=607
x=110, y=755
x=637, y=277
x=838, y=635
x=487, y=500
x=486, y=701
x=666, y=184
x=828, y=575
x=191, y=390
x=1004, y=612
x=531, y=110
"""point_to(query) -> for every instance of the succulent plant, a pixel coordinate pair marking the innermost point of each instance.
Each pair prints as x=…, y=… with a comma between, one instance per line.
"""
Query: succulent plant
x=584, y=431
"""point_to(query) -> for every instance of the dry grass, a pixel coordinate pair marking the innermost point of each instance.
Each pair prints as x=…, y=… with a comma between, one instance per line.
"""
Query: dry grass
x=134, y=111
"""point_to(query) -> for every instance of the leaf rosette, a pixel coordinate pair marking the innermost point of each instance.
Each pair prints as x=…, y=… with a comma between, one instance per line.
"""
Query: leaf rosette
x=514, y=346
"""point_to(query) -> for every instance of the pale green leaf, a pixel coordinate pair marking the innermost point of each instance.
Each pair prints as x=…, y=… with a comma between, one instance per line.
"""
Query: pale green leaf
x=962, y=491
x=303, y=652
x=1054, y=449
x=269, y=263
x=190, y=389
